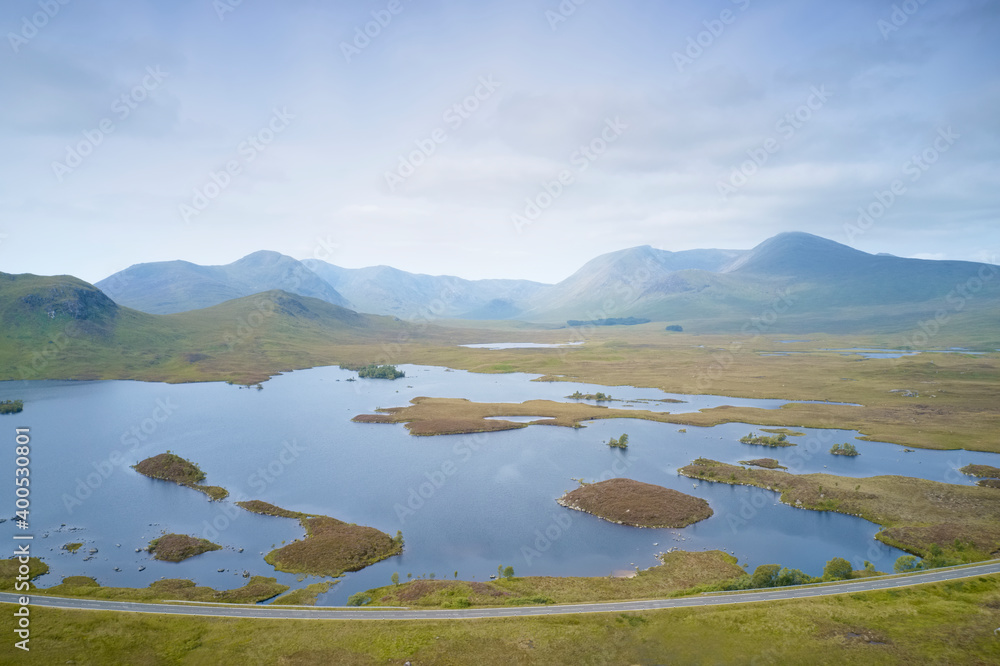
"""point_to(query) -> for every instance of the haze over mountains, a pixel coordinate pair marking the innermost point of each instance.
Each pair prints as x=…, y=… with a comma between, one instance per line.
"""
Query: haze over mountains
x=814, y=280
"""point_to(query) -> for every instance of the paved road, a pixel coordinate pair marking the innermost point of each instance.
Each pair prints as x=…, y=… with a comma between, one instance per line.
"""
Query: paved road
x=279, y=612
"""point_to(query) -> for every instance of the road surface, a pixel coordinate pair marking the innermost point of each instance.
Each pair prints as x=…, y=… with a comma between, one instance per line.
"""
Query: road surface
x=286, y=613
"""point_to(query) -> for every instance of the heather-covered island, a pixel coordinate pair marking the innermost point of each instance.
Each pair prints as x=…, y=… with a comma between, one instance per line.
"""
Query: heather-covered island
x=638, y=504
x=179, y=547
x=330, y=547
x=171, y=467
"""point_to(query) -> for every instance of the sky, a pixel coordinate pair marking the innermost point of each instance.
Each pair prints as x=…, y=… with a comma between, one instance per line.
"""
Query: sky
x=492, y=139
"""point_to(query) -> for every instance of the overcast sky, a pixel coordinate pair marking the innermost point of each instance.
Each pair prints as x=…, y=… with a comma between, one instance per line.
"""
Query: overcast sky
x=677, y=124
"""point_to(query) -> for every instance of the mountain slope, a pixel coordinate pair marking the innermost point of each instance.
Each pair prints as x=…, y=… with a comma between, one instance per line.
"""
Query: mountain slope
x=178, y=286
x=62, y=327
x=390, y=291
x=613, y=283
x=793, y=282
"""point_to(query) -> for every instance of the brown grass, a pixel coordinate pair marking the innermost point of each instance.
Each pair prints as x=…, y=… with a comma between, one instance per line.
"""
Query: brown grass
x=985, y=471
x=179, y=547
x=263, y=508
x=767, y=463
x=330, y=547
x=915, y=513
x=638, y=504
x=171, y=467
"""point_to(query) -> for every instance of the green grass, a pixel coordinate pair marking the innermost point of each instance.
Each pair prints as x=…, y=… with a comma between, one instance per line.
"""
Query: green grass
x=72, y=547
x=10, y=572
x=944, y=624
x=916, y=514
x=257, y=589
x=11, y=406
x=304, y=596
x=679, y=571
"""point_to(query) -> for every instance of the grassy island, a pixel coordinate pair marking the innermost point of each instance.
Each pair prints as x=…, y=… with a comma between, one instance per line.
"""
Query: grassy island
x=916, y=515
x=766, y=463
x=982, y=471
x=11, y=406
x=638, y=504
x=179, y=547
x=72, y=547
x=330, y=547
x=599, y=396
x=846, y=449
x=767, y=440
x=374, y=371
x=171, y=467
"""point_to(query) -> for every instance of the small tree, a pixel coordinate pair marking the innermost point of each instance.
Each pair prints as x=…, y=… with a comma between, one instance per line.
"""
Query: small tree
x=838, y=569
x=766, y=575
x=508, y=572
x=395, y=578
x=906, y=563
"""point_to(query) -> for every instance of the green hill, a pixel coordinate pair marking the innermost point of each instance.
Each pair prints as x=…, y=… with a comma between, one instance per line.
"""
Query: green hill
x=62, y=327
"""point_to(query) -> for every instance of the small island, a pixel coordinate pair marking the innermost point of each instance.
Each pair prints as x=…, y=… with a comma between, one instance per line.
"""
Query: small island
x=330, y=547
x=767, y=440
x=637, y=504
x=179, y=547
x=11, y=406
x=981, y=471
x=846, y=449
x=599, y=397
x=618, y=443
x=766, y=463
x=171, y=467
x=375, y=371
x=72, y=547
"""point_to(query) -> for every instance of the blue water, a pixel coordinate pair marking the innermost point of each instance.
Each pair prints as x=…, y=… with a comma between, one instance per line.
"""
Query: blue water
x=465, y=503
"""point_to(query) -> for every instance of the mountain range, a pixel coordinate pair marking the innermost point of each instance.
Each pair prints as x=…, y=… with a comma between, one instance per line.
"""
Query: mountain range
x=813, y=281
